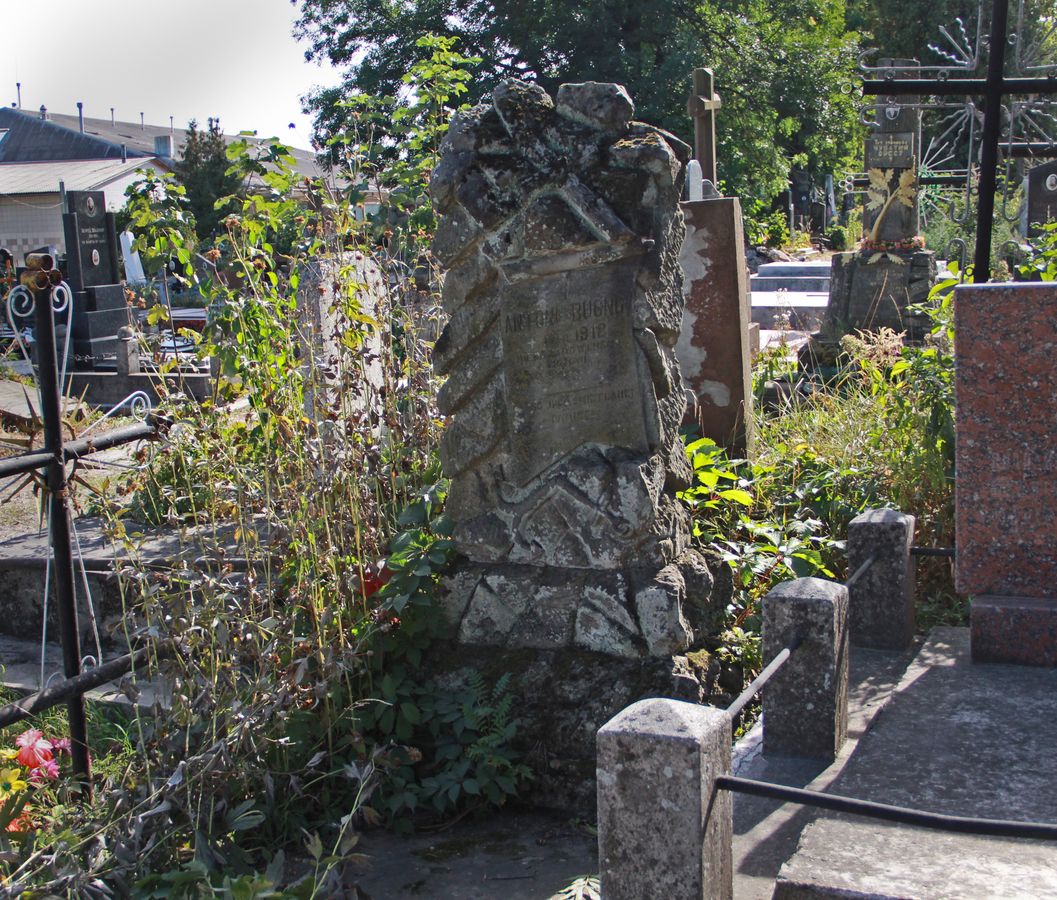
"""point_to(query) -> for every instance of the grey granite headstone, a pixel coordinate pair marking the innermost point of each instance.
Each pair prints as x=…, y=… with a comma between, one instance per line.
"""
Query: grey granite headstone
x=560, y=233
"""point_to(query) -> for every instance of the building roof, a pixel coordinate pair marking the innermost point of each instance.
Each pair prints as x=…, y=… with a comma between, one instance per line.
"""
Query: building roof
x=30, y=138
x=76, y=175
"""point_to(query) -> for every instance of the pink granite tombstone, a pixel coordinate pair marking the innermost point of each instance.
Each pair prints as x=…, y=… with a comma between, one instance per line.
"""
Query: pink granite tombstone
x=713, y=347
x=1006, y=494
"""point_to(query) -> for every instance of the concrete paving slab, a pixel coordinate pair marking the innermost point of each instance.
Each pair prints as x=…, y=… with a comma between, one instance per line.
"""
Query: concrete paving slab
x=766, y=831
x=20, y=402
x=804, y=309
x=955, y=738
x=524, y=855
x=806, y=299
x=759, y=283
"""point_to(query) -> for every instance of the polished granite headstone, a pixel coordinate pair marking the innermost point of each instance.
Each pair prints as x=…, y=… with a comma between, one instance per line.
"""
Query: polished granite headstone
x=1006, y=490
x=99, y=305
x=1042, y=196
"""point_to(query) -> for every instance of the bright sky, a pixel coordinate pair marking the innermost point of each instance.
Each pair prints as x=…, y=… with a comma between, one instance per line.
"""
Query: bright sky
x=236, y=59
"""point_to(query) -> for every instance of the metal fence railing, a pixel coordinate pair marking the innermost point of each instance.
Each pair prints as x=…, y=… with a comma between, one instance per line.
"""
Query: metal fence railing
x=42, y=294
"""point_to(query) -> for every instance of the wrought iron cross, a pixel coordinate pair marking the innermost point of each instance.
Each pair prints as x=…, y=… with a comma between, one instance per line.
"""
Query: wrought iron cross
x=704, y=101
x=993, y=89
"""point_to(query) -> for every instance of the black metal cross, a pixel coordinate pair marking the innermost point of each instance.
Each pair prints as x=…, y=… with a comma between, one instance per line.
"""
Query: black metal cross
x=993, y=88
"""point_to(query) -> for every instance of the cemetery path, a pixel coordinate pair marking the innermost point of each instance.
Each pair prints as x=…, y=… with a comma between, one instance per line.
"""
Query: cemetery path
x=959, y=738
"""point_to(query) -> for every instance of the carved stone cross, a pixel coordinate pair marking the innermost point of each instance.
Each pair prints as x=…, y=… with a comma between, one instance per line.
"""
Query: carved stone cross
x=704, y=101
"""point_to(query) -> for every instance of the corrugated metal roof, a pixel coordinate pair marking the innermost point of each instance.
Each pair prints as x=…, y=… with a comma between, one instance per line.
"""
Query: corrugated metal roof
x=77, y=175
x=32, y=139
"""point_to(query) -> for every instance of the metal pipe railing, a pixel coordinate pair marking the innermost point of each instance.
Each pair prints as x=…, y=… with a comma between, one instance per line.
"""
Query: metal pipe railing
x=78, y=685
x=757, y=684
x=859, y=572
x=901, y=814
x=74, y=450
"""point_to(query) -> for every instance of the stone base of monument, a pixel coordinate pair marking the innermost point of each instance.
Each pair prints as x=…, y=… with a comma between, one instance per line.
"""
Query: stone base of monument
x=621, y=612
x=580, y=645
x=107, y=389
x=99, y=313
x=1018, y=630
x=562, y=697
x=870, y=291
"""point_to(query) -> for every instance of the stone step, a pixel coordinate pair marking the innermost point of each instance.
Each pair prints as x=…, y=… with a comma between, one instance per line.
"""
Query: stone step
x=22, y=670
x=957, y=738
x=815, y=269
x=805, y=310
x=788, y=283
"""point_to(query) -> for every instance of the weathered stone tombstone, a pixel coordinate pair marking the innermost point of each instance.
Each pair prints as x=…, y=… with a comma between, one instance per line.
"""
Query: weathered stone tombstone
x=323, y=317
x=560, y=234
x=1005, y=492
x=99, y=305
x=1042, y=196
x=871, y=288
x=713, y=347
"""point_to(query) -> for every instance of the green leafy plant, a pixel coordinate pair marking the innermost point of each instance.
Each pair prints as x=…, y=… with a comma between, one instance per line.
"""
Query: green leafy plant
x=292, y=495
x=1041, y=263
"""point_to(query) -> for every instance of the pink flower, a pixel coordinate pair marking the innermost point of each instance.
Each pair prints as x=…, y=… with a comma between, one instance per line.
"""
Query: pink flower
x=47, y=769
x=62, y=745
x=33, y=749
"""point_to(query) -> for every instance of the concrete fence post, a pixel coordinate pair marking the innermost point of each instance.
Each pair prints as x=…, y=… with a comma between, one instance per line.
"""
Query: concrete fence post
x=663, y=829
x=127, y=352
x=881, y=602
x=805, y=704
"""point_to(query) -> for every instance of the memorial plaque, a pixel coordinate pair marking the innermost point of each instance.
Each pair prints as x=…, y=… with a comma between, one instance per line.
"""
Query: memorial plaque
x=890, y=150
x=1042, y=196
x=572, y=375
x=90, y=243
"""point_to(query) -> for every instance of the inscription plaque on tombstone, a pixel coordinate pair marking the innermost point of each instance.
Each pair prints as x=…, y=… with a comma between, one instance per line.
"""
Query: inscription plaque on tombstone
x=890, y=150
x=571, y=370
x=1042, y=196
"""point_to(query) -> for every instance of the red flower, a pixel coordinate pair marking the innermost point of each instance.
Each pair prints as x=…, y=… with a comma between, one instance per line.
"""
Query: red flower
x=19, y=825
x=373, y=579
x=34, y=751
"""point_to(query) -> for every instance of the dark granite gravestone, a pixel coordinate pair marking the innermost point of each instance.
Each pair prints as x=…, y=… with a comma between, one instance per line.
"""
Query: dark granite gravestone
x=871, y=288
x=99, y=305
x=1042, y=196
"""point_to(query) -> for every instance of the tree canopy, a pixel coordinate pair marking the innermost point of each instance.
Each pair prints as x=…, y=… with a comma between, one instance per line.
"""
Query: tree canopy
x=202, y=170
x=782, y=67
